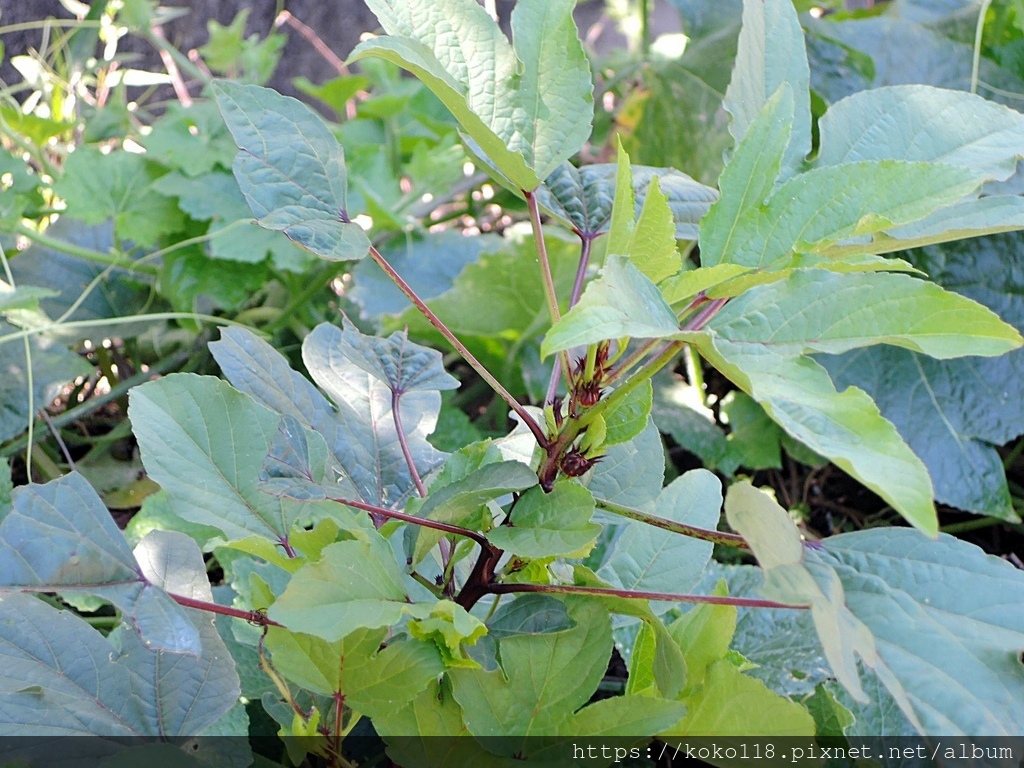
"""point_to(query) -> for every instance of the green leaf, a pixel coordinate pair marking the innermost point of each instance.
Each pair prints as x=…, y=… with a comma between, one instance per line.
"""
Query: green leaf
x=555, y=524
x=816, y=210
x=457, y=500
x=22, y=297
x=397, y=362
x=748, y=179
x=621, y=302
x=448, y=627
x=529, y=107
x=653, y=245
x=191, y=139
x=704, y=634
x=649, y=558
x=754, y=439
x=629, y=417
x=355, y=585
x=249, y=58
x=360, y=432
x=79, y=684
x=623, y=218
x=373, y=681
x=583, y=197
x=774, y=538
x=970, y=218
x=921, y=123
x=118, y=186
x=60, y=537
x=204, y=443
x=771, y=52
x=631, y=473
x=947, y=642
x=291, y=170
x=733, y=704
x=846, y=427
x=972, y=404
x=815, y=310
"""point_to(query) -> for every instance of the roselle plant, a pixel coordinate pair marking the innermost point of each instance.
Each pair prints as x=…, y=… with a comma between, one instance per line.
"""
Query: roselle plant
x=474, y=592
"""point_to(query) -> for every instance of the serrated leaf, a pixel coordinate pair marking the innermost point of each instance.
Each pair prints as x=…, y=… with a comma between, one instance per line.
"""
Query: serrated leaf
x=816, y=310
x=583, y=197
x=621, y=302
x=205, y=443
x=771, y=52
x=373, y=681
x=969, y=405
x=77, y=683
x=748, y=179
x=60, y=536
x=818, y=209
x=355, y=585
x=554, y=524
x=774, y=538
x=529, y=107
x=652, y=247
x=922, y=123
x=291, y=170
x=448, y=627
x=192, y=139
x=653, y=559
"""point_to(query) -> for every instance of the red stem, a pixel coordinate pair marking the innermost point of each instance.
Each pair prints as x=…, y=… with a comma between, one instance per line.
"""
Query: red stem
x=404, y=443
x=468, y=356
x=630, y=594
x=390, y=513
x=253, y=617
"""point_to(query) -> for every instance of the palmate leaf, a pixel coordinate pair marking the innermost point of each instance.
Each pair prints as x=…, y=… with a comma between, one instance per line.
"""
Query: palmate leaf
x=544, y=680
x=291, y=170
x=528, y=105
x=935, y=620
x=358, y=430
x=60, y=537
x=61, y=677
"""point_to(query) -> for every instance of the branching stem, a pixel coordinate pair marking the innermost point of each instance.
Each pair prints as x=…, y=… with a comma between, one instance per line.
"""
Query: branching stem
x=412, y=519
x=468, y=356
x=253, y=617
x=630, y=594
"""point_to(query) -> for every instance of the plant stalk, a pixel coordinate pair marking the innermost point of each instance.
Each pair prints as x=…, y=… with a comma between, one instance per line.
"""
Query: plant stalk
x=479, y=538
x=629, y=594
x=704, y=534
x=253, y=617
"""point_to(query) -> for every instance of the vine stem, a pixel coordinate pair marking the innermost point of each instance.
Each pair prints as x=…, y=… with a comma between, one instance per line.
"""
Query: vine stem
x=468, y=356
x=704, y=534
x=479, y=538
x=118, y=260
x=630, y=594
x=253, y=617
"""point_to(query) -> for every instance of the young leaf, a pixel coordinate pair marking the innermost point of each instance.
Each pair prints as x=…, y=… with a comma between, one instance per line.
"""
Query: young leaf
x=81, y=685
x=291, y=170
x=771, y=52
x=653, y=559
x=583, y=197
x=921, y=123
x=748, y=179
x=373, y=681
x=355, y=585
x=621, y=302
x=60, y=537
x=528, y=107
x=555, y=524
x=629, y=417
x=556, y=673
x=446, y=629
